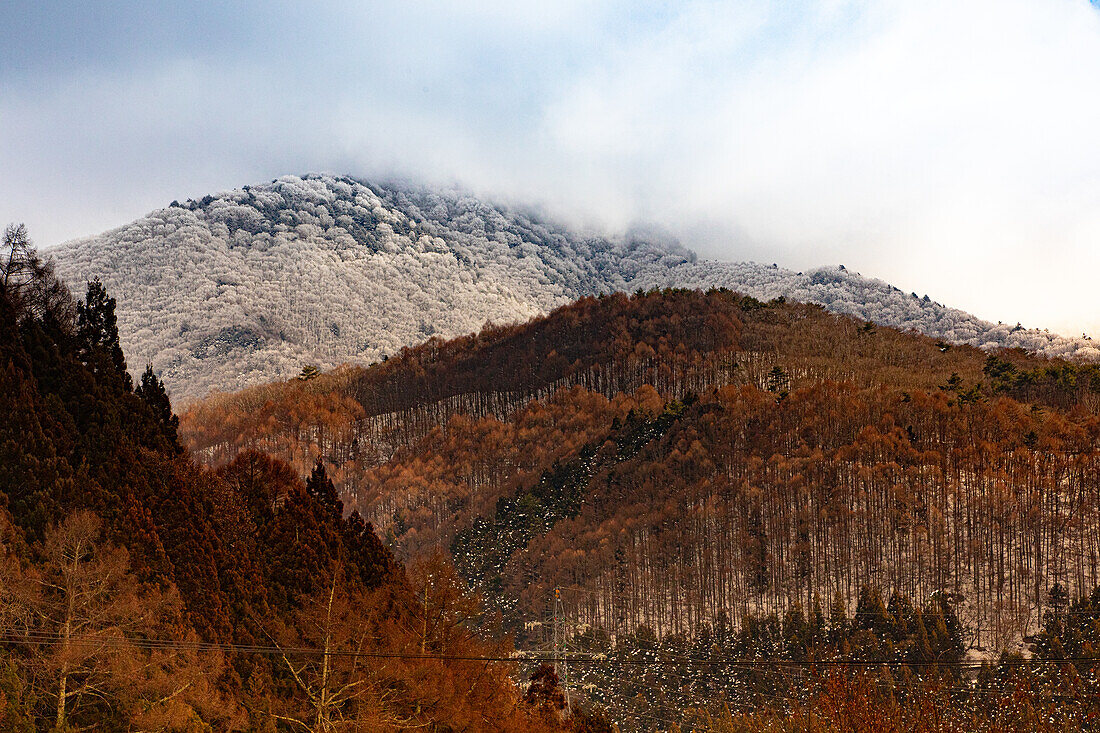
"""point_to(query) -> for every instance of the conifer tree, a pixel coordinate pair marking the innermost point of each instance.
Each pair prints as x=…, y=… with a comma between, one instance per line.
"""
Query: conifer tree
x=151, y=390
x=97, y=333
x=320, y=487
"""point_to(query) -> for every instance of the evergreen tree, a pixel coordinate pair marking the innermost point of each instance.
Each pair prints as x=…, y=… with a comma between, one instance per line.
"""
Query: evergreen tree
x=944, y=628
x=151, y=391
x=796, y=633
x=817, y=628
x=838, y=623
x=320, y=487
x=97, y=333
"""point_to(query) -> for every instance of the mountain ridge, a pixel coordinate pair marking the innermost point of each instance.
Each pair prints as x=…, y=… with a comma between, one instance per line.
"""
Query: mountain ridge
x=248, y=285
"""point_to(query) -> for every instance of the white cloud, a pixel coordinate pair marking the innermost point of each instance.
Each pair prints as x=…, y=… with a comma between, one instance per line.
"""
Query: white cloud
x=950, y=147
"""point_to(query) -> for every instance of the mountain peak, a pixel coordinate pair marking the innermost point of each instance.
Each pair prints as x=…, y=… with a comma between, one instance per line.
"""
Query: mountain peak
x=245, y=286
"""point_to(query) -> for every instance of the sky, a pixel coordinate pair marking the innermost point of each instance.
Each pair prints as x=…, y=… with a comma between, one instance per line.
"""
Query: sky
x=950, y=148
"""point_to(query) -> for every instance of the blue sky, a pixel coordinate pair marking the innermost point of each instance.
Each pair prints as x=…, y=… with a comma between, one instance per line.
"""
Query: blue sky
x=949, y=147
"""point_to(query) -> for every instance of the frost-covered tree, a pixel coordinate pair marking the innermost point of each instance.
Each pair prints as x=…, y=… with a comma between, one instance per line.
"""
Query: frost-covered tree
x=326, y=270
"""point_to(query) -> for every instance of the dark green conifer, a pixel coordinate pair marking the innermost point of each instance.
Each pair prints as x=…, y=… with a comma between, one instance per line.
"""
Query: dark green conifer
x=151, y=390
x=321, y=488
x=97, y=333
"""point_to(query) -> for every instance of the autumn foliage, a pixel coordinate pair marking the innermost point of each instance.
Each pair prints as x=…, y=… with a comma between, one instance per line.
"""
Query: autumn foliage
x=674, y=458
x=142, y=591
x=692, y=475
x=678, y=454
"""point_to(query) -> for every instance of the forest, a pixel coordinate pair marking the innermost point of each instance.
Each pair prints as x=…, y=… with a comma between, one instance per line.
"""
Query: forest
x=141, y=591
x=794, y=452
x=665, y=460
x=676, y=510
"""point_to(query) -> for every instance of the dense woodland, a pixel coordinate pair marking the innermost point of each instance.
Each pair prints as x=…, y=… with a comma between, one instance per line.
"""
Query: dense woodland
x=141, y=591
x=681, y=454
x=673, y=458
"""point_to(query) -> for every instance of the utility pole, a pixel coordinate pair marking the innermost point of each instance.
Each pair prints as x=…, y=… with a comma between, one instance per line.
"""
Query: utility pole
x=557, y=596
x=560, y=653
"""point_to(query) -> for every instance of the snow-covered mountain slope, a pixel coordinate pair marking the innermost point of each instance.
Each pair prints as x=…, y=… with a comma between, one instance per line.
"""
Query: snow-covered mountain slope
x=248, y=285
x=843, y=291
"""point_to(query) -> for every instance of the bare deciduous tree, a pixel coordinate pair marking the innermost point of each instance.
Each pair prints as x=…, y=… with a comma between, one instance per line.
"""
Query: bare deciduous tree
x=100, y=641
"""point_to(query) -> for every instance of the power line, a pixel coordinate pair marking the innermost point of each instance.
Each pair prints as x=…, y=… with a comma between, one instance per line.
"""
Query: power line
x=784, y=667
x=54, y=639
x=601, y=658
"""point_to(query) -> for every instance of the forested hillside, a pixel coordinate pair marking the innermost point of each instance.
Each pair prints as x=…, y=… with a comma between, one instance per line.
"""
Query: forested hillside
x=141, y=591
x=708, y=512
x=248, y=286
x=678, y=455
x=657, y=471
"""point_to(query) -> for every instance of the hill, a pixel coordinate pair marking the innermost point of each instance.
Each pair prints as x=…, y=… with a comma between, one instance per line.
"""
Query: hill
x=248, y=285
x=655, y=467
x=814, y=453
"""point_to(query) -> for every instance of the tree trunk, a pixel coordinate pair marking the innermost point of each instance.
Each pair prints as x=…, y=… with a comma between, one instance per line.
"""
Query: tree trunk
x=322, y=700
x=66, y=634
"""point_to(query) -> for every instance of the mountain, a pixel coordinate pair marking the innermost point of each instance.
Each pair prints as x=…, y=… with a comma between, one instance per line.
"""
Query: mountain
x=250, y=285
